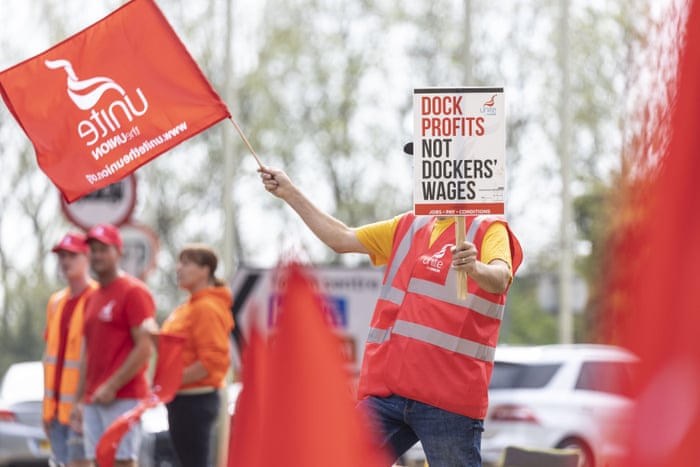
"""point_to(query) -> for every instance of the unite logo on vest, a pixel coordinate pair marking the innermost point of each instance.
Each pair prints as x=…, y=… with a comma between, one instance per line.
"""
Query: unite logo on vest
x=101, y=125
x=435, y=262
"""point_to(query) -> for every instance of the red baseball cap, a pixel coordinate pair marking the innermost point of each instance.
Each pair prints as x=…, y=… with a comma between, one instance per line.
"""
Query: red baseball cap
x=73, y=242
x=107, y=234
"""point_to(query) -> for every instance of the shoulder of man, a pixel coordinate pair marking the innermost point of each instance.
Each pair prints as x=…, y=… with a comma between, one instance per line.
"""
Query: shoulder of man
x=54, y=299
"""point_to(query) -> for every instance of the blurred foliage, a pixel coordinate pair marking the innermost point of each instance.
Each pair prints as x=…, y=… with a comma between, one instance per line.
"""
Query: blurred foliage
x=323, y=89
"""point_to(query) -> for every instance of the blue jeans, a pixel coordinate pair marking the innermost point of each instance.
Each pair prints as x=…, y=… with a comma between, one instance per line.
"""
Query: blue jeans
x=448, y=439
x=66, y=444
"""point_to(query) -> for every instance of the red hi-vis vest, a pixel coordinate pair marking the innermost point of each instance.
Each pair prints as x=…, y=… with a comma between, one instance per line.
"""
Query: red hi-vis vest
x=58, y=401
x=424, y=343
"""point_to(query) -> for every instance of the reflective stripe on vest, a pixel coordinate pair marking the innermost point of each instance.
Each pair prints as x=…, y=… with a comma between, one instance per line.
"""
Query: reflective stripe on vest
x=67, y=398
x=377, y=335
x=52, y=360
x=435, y=337
x=387, y=292
x=444, y=340
x=74, y=364
x=429, y=335
x=442, y=293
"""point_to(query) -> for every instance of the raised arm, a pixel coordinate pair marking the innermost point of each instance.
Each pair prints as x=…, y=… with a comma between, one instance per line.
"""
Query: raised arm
x=331, y=231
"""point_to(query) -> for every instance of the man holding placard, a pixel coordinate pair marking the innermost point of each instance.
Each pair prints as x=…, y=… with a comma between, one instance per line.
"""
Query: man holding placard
x=429, y=354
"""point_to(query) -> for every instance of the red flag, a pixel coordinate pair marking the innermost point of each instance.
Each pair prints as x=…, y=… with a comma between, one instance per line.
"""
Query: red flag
x=168, y=374
x=656, y=282
x=166, y=381
x=308, y=407
x=246, y=424
x=109, y=99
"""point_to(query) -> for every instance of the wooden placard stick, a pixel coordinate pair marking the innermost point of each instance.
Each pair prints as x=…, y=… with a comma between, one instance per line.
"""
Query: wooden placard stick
x=462, y=277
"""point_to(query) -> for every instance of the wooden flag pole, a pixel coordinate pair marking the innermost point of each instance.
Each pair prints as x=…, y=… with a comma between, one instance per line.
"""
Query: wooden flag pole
x=461, y=275
x=245, y=140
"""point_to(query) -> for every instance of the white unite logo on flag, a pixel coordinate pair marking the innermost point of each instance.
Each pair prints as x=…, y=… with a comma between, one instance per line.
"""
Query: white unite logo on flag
x=104, y=124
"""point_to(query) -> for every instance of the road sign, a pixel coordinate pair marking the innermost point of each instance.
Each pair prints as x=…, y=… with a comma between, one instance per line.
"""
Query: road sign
x=140, y=249
x=112, y=204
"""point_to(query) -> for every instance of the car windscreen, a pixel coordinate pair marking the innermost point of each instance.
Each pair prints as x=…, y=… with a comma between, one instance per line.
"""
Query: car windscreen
x=23, y=382
x=524, y=376
x=608, y=377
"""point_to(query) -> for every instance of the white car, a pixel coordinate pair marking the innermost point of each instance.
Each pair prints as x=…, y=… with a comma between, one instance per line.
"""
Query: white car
x=560, y=396
x=22, y=438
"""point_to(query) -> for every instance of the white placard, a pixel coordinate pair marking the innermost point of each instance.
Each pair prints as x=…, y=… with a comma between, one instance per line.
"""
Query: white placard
x=459, y=140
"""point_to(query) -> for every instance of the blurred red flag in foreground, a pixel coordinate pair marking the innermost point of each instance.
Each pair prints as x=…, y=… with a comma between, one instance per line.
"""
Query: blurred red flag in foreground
x=166, y=381
x=246, y=429
x=655, y=282
x=297, y=396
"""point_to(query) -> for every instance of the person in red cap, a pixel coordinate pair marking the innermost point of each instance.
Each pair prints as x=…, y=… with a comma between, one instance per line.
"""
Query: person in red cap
x=119, y=318
x=64, y=337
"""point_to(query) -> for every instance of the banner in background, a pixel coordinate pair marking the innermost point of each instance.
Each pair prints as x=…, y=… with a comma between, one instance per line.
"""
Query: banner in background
x=297, y=395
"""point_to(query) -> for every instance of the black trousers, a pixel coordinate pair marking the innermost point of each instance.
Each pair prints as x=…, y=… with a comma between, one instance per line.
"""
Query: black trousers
x=192, y=418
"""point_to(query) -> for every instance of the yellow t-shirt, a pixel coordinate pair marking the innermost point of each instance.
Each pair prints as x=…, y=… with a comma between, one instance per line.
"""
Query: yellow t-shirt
x=379, y=236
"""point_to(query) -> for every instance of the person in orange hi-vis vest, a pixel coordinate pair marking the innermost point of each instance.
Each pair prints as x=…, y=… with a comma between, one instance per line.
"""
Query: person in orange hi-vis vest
x=206, y=322
x=64, y=335
x=429, y=354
